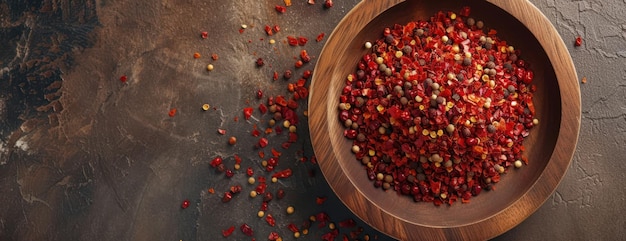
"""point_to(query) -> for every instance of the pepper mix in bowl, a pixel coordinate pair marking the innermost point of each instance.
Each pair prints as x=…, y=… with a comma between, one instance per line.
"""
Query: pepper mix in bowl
x=439, y=109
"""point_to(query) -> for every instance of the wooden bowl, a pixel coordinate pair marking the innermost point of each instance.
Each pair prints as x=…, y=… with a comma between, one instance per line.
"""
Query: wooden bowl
x=520, y=192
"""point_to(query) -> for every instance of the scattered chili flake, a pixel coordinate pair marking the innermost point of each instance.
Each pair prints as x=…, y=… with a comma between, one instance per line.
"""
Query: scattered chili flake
x=275, y=76
x=578, y=42
x=227, y=197
x=287, y=2
x=204, y=34
x=280, y=194
x=276, y=28
x=185, y=204
x=262, y=108
x=228, y=232
x=293, y=228
x=221, y=131
x=211, y=190
x=268, y=30
x=172, y=112
x=123, y=78
x=320, y=200
x=283, y=174
x=302, y=40
x=216, y=161
x=584, y=80
x=247, y=112
x=348, y=223
x=259, y=62
x=273, y=236
x=304, y=56
x=263, y=142
x=246, y=229
x=214, y=56
x=328, y=3
x=276, y=153
x=293, y=41
x=280, y=9
x=298, y=64
x=311, y=2
x=196, y=55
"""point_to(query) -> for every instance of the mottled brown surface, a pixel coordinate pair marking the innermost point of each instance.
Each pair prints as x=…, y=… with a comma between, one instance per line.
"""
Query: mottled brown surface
x=84, y=157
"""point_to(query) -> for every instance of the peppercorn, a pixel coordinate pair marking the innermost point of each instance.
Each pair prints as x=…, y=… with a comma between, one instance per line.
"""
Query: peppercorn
x=290, y=210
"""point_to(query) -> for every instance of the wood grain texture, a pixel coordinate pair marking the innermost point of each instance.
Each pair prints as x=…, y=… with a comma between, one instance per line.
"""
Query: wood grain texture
x=550, y=145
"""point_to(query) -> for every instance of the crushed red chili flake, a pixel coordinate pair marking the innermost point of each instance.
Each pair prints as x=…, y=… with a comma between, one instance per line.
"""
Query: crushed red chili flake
x=328, y=3
x=438, y=110
x=185, y=204
x=246, y=229
x=273, y=236
x=268, y=30
x=304, y=56
x=123, y=78
x=293, y=41
x=172, y=112
x=578, y=42
x=280, y=9
x=320, y=200
x=348, y=223
x=275, y=76
x=216, y=161
x=247, y=112
x=283, y=174
x=204, y=34
x=320, y=37
x=298, y=64
x=228, y=232
x=214, y=56
x=262, y=108
x=259, y=62
x=276, y=28
x=221, y=131
x=270, y=220
x=293, y=228
x=263, y=142
x=302, y=40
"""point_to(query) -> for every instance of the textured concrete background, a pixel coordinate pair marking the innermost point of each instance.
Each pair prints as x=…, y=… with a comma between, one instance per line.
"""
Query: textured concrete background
x=83, y=157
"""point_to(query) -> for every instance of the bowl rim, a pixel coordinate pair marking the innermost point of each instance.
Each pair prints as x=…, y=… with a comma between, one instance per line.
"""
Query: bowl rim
x=562, y=64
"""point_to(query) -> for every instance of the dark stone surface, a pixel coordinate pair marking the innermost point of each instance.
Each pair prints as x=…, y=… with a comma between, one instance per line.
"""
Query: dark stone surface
x=86, y=157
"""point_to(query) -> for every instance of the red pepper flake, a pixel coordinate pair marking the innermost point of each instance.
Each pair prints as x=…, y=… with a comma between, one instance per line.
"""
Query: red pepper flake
x=221, y=131
x=255, y=132
x=293, y=228
x=204, y=34
x=273, y=236
x=123, y=78
x=302, y=40
x=328, y=3
x=214, y=56
x=247, y=230
x=275, y=77
x=298, y=64
x=348, y=223
x=311, y=2
x=216, y=161
x=263, y=142
x=270, y=220
x=196, y=55
x=262, y=108
x=584, y=80
x=293, y=41
x=463, y=124
x=465, y=11
x=247, y=112
x=227, y=197
x=261, y=154
x=268, y=30
x=276, y=28
x=320, y=37
x=211, y=190
x=250, y=171
x=259, y=62
x=172, y=112
x=237, y=159
x=185, y=204
x=276, y=153
x=280, y=9
x=578, y=42
x=259, y=94
x=320, y=200
x=228, y=232
x=304, y=56
x=283, y=174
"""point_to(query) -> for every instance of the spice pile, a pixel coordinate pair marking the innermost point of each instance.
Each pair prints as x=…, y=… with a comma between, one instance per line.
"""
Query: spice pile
x=438, y=110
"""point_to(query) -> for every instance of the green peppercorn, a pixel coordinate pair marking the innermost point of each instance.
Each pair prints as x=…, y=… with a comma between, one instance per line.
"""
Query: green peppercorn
x=388, y=178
